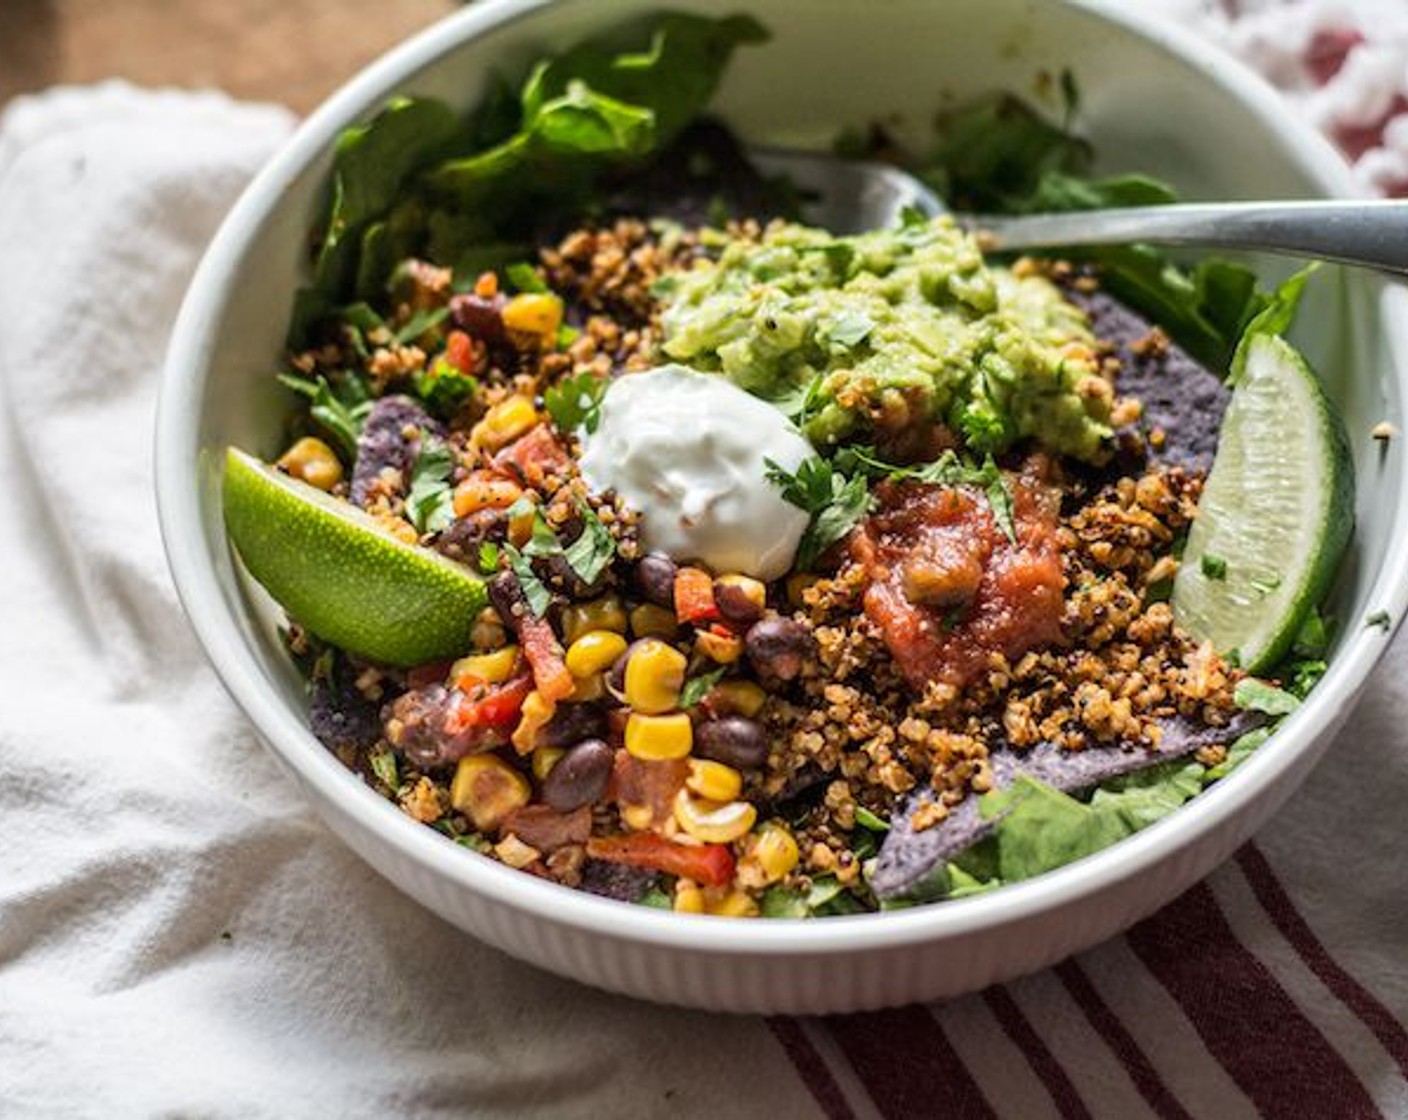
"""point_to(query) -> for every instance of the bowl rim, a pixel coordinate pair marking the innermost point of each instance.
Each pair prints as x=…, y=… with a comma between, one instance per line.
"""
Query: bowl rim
x=177, y=468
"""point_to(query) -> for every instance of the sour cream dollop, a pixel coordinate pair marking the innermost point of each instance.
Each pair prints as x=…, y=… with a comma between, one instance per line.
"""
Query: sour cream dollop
x=685, y=450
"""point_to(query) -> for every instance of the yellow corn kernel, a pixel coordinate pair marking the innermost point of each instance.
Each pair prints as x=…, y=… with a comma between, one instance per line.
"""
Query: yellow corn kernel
x=505, y=422
x=544, y=759
x=314, y=462
x=797, y=585
x=713, y=781
x=689, y=899
x=732, y=904
x=605, y=613
x=590, y=688
x=537, y=710
x=594, y=652
x=520, y=525
x=743, y=698
x=723, y=649
x=657, y=738
x=514, y=852
x=478, y=492
x=713, y=822
x=486, y=789
x=638, y=818
x=534, y=313
x=491, y=668
x=776, y=852
x=654, y=676
x=652, y=621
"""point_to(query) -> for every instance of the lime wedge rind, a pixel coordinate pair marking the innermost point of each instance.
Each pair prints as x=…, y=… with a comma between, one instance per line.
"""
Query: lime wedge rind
x=1275, y=515
x=335, y=570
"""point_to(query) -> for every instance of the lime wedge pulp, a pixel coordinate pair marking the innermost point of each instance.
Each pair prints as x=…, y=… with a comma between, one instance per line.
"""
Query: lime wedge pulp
x=335, y=570
x=1275, y=515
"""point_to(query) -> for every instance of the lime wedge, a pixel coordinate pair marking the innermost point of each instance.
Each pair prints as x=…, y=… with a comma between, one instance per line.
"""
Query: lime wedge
x=334, y=569
x=1275, y=515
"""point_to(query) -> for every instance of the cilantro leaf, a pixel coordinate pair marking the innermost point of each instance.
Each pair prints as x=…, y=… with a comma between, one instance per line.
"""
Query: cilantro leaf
x=593, y=550
x=696, y=688
x=837, y=504
x=947, y=470
x=524, y=277
x=575, y=402
x=538, y=597
x=489, y=557
x=422, y=321
x=339, y=413
x=430, y=502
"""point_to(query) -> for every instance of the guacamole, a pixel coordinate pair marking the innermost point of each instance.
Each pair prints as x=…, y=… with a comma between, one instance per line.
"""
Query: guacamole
x=889, y=327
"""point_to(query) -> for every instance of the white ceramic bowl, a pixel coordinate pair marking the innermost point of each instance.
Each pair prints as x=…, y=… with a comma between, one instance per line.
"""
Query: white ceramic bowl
x=1153, y=99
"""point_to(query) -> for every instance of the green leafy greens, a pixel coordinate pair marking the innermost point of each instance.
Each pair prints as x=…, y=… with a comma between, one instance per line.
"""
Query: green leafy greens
x=430, y=502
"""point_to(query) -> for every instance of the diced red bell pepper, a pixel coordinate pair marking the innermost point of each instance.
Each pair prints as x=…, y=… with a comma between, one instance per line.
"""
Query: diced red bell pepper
x=459, y=351
x=495, y=710
x=694, y=596
x=531, y=458
x=546, y=659
x=709, y=864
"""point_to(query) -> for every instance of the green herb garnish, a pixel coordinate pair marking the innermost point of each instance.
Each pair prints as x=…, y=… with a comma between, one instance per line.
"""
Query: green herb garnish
x=539, y=598
x=575, y=402
x=836, y=504
x=430, y=503
x=698, y=687
x=1213, y=566
x=340, y=412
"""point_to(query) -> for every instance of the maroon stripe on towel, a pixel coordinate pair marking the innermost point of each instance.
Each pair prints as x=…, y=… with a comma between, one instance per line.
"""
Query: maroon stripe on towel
x=907, y=1065
x=1250, y=1025
x=811, y=1067
x=1121, y=1043
x=1349, y=991
x=1019, y=1029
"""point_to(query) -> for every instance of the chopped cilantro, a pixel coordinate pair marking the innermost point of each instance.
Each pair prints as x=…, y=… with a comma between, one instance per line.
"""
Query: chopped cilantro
x=947, y=470
x=866, y=819
x=657, y=898
x=593, y=550
x=419, y=323
x=340, y=412
x=443, y=387
x=489, y=557
x=430, y=503
x=539, y=598
x=696, y=688
x=1213, y=566
x=836, y=503
x=524, y=277
x=575, y=402
x=383, y=764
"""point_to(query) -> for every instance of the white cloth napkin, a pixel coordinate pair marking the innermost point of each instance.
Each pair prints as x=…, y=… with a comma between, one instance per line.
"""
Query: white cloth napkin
x=178, y=934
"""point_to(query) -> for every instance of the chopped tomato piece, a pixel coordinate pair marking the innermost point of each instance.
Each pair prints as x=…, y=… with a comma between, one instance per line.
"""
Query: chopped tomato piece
x=493, y=709
x=709, y=864
x=694, y=596
x=533, y=457
x=459, y=351
x=545, y=658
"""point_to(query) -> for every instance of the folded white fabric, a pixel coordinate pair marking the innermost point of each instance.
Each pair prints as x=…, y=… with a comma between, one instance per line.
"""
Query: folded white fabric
x=178, y=935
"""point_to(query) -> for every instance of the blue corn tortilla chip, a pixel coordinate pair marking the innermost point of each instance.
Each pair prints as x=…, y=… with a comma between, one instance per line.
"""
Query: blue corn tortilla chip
x=1181, y=397
x=907, y=858
x=385, y=442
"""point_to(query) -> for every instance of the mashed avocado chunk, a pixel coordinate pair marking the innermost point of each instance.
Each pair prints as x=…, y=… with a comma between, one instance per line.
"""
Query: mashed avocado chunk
x=889, y=328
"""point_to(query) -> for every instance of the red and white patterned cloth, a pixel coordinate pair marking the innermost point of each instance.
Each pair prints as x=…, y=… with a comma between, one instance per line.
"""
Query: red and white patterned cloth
x=179, y=937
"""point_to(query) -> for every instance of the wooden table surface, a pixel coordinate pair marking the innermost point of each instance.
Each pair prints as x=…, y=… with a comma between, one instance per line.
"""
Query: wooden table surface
x=292, y=51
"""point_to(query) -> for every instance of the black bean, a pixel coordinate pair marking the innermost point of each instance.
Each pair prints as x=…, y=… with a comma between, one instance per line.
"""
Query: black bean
x=735, y=604
x=482, y=318
x=571, y=723
x=733, y=740
x=655, y=576
x=777, y=647
x=580, y=776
